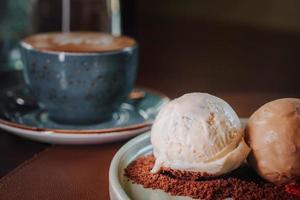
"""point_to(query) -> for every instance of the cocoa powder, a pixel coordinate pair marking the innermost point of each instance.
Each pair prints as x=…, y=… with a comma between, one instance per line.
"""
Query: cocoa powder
x=241, y=184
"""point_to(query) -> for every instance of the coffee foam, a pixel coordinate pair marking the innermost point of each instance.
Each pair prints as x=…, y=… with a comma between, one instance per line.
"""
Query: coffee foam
x=78, y=42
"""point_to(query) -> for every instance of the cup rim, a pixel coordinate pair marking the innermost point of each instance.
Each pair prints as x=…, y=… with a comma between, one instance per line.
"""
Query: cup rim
x=29, y=47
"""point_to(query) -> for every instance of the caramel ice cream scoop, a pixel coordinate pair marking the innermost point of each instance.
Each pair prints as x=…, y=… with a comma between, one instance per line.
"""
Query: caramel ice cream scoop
x=273, y=133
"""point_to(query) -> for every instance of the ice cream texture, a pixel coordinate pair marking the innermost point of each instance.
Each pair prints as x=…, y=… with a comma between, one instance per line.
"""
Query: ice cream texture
x=198, y=132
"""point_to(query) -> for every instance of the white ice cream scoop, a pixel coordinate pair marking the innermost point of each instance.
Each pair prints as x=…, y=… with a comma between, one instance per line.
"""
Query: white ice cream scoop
x=198, y=132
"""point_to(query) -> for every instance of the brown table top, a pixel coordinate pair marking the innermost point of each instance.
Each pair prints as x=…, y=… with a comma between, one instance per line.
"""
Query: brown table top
x=15, y=150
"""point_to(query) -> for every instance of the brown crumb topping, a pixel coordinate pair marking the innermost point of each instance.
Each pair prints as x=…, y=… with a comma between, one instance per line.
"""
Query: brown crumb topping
x=241, y=184
x=184, y=175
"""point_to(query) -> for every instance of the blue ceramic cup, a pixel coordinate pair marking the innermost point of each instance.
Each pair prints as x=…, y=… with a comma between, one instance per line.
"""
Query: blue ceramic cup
x=79, y=78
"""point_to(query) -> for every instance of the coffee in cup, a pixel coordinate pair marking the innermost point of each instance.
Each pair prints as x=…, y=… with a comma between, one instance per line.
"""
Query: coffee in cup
x=79, y=77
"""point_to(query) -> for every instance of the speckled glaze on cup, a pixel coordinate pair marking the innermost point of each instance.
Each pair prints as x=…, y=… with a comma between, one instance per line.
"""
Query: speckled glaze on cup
x=80, y=87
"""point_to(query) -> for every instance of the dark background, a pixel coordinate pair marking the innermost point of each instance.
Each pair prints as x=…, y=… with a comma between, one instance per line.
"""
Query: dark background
x=218, y=47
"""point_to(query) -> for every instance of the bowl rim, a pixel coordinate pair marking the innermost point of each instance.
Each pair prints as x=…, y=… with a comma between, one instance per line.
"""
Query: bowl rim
x=114, y=182
x=115, y=187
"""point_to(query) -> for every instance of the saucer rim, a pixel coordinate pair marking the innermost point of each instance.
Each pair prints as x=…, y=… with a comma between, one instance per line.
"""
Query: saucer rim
x=73, y=139
x=91, y=131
